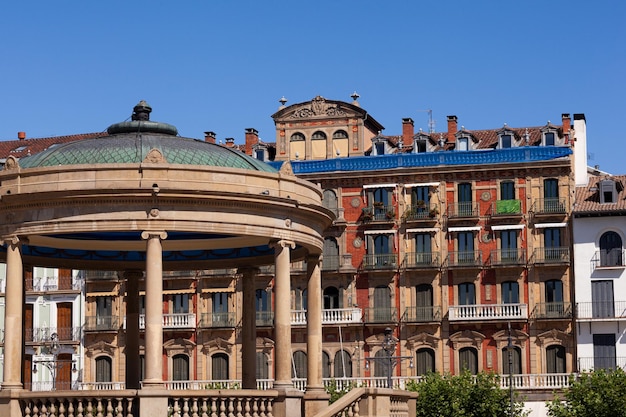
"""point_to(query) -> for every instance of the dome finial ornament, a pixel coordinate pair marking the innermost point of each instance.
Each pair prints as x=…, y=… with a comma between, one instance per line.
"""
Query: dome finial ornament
x=141, y=111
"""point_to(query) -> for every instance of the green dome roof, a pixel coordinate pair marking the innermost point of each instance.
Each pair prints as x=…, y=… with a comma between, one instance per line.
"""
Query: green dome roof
x=131, y=141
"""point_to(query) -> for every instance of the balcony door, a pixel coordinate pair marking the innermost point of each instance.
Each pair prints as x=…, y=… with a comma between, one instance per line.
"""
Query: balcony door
x=602, y=299
x=425, y=361
x=468, y=360
x=220, y=309
x=420, y=198
x=465, y=241
x=554, y=298
x=64, y=321
x=611, y=249
x=181, y=303
x=382, y=304
x=510, y=292
x=423, y=251
x=508, y=244
x=64, y=372
x=514, y=357
x=467, y=294
x=28, y=323
x=104, y=312
x=555, y=359
x=552, y=243
x=424, y=302
x=332, y=299
x=604, y=351
x=465, y=199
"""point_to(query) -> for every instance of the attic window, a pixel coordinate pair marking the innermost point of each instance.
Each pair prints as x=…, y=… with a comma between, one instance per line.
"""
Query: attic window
x=419, y=146
x=608, y=191
x=379, y=148
x=506, y=141
x=19, y=149
x=462, y=144
x=549, y=139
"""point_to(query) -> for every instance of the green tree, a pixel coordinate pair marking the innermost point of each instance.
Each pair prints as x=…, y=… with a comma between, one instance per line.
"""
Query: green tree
x=463, y=396
x=599, y=394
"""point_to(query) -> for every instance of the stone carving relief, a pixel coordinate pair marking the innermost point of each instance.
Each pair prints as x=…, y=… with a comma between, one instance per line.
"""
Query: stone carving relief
x=318, y=107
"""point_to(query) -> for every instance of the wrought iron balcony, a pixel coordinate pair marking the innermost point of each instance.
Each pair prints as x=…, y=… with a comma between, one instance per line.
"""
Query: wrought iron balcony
x=264, y=318
x=463, y=209
x=613, y=258
x=381, y=315
x=101, y=323
x=100, y=275
x=508, y=257
x=43, y=334
x=549, y=206
x=551, y=256
x=481, y=312
x=600, y=310
x=379, y=213
x=558, y=310
x=220, y=319
x=601, y=362
x=420, y=260
x=380, y=261
x=422, y=314
x=421, y=213
x=43, y=284
x=465, y=259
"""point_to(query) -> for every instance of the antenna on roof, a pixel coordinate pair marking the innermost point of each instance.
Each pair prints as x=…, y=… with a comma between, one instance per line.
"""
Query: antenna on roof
x=431, y=122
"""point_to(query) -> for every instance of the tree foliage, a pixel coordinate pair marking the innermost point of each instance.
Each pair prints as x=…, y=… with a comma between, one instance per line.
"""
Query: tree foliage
x=463, y=396
x=599, y=394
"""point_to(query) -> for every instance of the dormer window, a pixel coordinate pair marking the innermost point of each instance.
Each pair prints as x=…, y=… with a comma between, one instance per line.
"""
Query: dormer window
x=608, y=191
x=462, y=144
x=549, y=139
x=259, y=154
x=419, y=146
x=379, y=148
x=506, y=141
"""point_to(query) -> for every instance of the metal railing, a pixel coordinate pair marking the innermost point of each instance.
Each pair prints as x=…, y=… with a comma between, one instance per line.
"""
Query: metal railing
x=381, y=315
x=264, y=318
x=479, y=312
x=508, y=257
x=463, y=209
x=422, y=260
x=609, y=258
x=101, y=323
x=557, y=310
x=423, y=314
x=551, y=255
x=380, y=261
x=43, y=334
x=549, y=206
x=331, y=262
x=43, y=284
x=218, y=319
x=421, y=212
x=601, y=309
x=379, y=213
x=601, y=362
x=465, y=258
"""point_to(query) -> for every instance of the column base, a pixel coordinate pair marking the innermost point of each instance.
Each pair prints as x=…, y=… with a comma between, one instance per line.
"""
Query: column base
x=315, y=400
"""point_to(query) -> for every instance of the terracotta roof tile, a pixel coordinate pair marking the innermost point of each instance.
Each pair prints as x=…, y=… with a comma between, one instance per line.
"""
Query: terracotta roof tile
x=588, y=197
x=26, y=147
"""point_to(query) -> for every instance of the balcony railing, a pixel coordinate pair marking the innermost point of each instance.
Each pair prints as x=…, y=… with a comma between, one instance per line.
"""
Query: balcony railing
x=43, y=334
x=264, y=318
x=506, y=208
x=171, y=321
x=379, y=213
x=551, y=256
x=601, y=310
x=329, y=316
x=422, y=260
x=557, y=310
x=480, y=312
x=465, y=259
x=613, y=258
x=380, y=315
x=424, y=314
x=421, y=212
x=219, y=319
x=508, y=257
x=101, y=323
x=380, y=261
x=601, y=362
x=42, y=284
x=463, y=209
x=100, y=275
x=549, y=206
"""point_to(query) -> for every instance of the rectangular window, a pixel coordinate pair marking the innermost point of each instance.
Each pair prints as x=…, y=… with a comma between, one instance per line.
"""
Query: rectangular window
x=181, y=303
x=549, y=139
x=465, y=246
x=467, y=294
x=604, y=351
x=506, y=141
x=104, y=306
x=423, y=253
x=462, y=144
x=550, y=188
x=507, y=190
x=420, y=146
x=508, y=245
x=510, y=292
x=602, y=299
x=464, y=198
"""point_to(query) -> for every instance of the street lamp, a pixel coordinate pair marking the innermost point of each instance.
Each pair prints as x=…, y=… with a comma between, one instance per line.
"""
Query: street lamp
x=388, y=345
x=509, y=350
x=55, y=364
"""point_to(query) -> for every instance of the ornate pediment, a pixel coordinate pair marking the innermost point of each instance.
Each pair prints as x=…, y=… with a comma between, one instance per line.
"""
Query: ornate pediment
x=100, y=347
x=467, y=338
x=554, y=337
x=179, y=345
x=217, y=344
x=319, y=108
x=422, y=339
x=518, y=338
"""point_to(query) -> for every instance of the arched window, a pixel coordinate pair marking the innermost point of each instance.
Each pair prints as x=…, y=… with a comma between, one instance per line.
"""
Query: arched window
x=555, y=359
x=611, y=249
x=219, y=367
x=330, y=201
x=332, y=300
x=318, y=145
x=343, y=365
x=340, y=144
x=299, y=369
x=297, y=146
x=382, y=305
x=325, y=365
x=468, y=359
x=515, y=358
x=262, y=366
x=319, y=135
x=180, y=367
x=425, y=361
x=381, y=364
x=104, y=366
x=340, y=134
x=330, y=260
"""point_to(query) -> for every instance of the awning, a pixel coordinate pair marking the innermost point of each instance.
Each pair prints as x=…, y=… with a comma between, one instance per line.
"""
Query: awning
x=379, y=186
x=180, y=291
x=464, y=229
x=217, y=289
x=101, y=293
x=381, y=232
x=544, y=225
x=508, y=227
x=423, y=230
x=422, y=184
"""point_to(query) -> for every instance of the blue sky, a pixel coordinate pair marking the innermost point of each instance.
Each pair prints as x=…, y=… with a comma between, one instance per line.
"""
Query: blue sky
x=78, y=66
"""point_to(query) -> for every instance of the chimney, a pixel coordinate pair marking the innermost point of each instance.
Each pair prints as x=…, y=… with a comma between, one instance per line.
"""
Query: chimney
x=452, y=129
x=567, y=125
x=408, y=131
x=209, y=137
x=252, y=138
x=580, y=150
x=230, y=142
x=21, y=135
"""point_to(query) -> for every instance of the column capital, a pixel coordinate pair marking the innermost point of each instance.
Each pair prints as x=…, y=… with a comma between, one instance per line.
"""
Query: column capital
x=13, y=240
x=147, y=234
x=282, y=243
x=133, y=274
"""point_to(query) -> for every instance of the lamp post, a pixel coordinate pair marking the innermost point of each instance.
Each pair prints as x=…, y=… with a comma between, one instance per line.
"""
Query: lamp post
x=509, y=350
x=55, y=364
x=388, y=345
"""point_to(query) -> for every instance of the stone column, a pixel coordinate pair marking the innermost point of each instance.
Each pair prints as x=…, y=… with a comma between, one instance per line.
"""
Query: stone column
x=154, y=309
x=282, y=315
x=133, y=362
x=248, y=330
x=13, y=315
